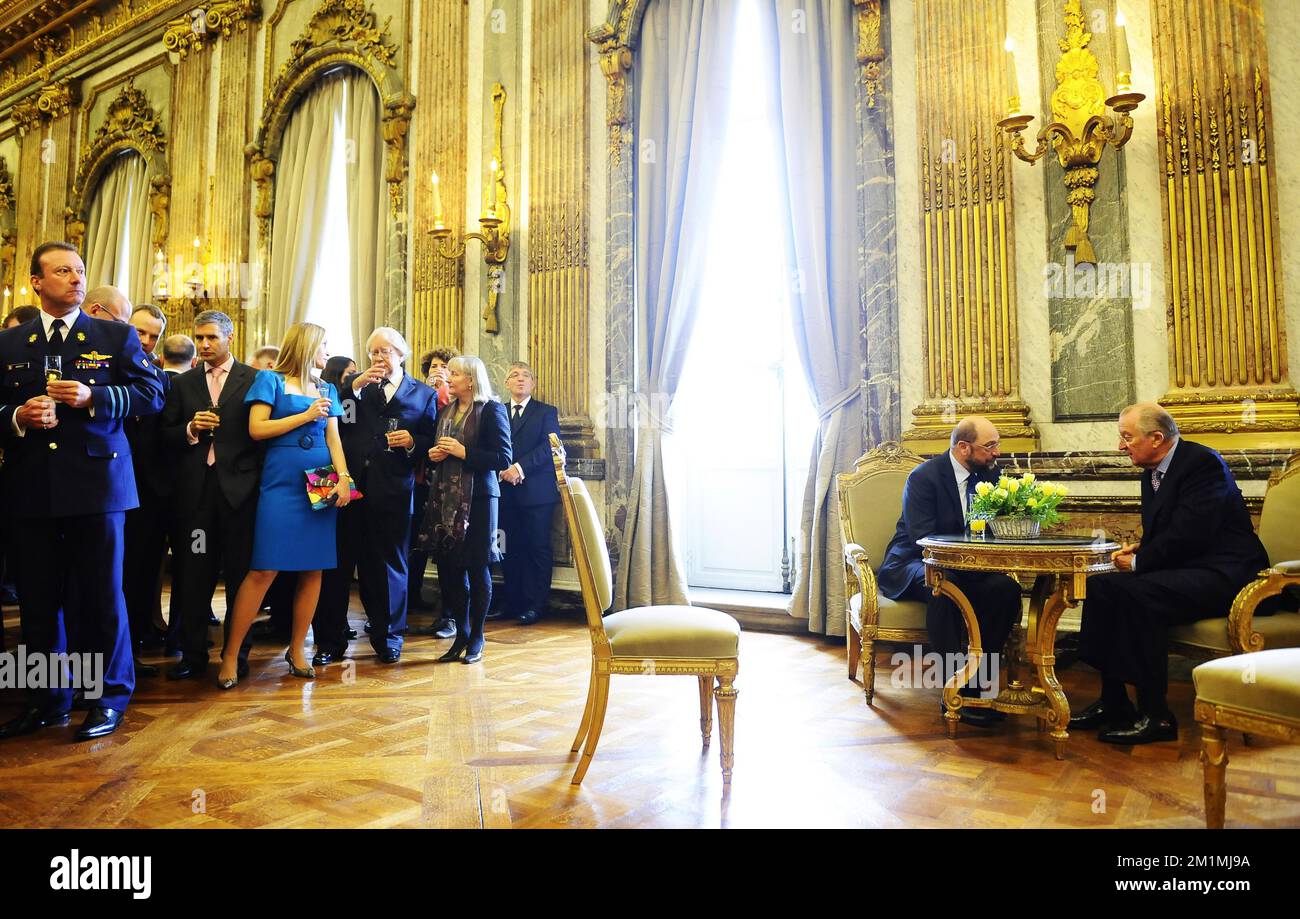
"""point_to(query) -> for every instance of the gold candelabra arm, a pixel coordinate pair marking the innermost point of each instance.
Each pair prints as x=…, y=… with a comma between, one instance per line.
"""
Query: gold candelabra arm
x=1015, y=125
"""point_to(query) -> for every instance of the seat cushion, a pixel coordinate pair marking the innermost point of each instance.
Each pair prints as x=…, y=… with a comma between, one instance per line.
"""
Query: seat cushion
x=672, y=631
x=894, y=614
x=1281, y=630
x=1266, y=682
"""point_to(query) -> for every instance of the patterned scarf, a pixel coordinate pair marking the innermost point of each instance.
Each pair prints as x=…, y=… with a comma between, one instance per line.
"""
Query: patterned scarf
x=451, y=489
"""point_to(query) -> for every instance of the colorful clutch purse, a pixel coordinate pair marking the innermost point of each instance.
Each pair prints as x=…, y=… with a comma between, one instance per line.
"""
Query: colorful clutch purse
x=320, y=486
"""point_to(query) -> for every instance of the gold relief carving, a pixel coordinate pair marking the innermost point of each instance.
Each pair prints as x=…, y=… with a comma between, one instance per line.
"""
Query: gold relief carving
x=615, y=63
x=56, y=100
x=200, y=26
x=262, y=172
x=871, y=54
x=1079, y=94
x=160, y=196
x=396, y=123
x=25, y=114
x=6, y=188
x=49, y=47
x=8, y=256
x=130, y=117
x=340, y=22
x=74, y=227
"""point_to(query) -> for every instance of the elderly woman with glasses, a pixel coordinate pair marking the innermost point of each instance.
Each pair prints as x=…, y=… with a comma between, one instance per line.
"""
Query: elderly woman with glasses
x=387, y=425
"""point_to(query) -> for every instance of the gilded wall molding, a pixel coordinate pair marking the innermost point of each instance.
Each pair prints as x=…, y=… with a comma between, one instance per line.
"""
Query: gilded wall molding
x=85, y=34
x=200, y=26
x=616, y=41
x=970, y=336
x=1229, y=379
x=52, y=101
x=871, y=53
x=6, y=187
x=395, y=124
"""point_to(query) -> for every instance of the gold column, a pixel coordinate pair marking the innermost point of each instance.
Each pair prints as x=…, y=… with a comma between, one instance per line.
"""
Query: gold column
x=1229, y=384
x=190, y=194
x=557, y=217
x=27, y=208
x=439, y=283
x=969, y=336
x=58, y=157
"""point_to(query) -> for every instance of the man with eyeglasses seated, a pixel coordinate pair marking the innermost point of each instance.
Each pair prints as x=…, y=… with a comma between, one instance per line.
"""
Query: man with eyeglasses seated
x=386, y=429
x=936, y=500
x=1198, y=550
x=70, y=482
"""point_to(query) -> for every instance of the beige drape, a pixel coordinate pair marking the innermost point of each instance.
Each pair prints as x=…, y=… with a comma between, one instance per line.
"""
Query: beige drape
x=301, y=188
x=367, y=197
x=118, y=228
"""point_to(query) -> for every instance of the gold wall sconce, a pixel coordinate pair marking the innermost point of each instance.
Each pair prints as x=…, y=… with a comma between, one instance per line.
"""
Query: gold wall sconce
x=1080, y=129
x=494, y=221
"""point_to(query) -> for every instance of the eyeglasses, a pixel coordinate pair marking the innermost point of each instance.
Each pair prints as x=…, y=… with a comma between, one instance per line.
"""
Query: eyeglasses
x=383, y=352
x=99, y=308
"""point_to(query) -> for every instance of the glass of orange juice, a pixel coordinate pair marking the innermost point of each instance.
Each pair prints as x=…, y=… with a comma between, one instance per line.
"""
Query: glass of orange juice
x=978, y=528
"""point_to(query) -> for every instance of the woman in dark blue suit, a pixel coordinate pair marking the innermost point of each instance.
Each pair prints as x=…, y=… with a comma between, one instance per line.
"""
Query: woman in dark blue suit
x=472, y=445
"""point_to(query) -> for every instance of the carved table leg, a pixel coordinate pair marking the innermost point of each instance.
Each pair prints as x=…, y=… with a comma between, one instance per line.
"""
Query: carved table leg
x=951, y=700
x=1214, y=757
x=1045, y=609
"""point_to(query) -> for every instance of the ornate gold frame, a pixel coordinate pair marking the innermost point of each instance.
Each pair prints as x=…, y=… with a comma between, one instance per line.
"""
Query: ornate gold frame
x=858, y=574
x=604, y=662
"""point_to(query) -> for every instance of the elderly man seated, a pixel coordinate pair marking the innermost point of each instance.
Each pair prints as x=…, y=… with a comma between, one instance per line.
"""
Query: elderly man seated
x=1198, y=550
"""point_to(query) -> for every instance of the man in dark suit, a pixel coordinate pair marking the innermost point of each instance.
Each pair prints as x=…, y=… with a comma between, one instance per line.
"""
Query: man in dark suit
x=935, y=503
x=146, y=526
x=528, y=499
x=1198, y=550
x=218, y=469
x=70, y=482
x=178, y=356
x=388, y=416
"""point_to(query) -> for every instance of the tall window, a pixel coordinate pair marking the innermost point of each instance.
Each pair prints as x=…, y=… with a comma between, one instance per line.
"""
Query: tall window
x=743, y=413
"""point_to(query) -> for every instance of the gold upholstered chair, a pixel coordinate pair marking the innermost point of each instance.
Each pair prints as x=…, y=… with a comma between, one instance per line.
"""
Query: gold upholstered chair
x=871, y=501
x=647, y=640
x=1241, y=631
x=1258, y=693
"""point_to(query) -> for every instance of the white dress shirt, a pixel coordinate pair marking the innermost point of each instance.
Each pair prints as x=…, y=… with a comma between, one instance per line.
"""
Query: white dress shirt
x=523, y=407
x=962, y=474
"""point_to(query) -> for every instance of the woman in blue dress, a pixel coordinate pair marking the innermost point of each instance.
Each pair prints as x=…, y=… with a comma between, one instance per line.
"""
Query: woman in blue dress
x=298, y=419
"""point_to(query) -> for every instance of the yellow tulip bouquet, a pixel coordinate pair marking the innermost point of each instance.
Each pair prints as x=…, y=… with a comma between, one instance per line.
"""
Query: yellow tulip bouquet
x=1017, y=499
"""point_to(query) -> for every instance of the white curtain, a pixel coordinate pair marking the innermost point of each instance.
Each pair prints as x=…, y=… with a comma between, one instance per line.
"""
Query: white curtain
x=118, y=227
x=818, y=72
x=301, y=189
x=682, y=86
x=367, y=209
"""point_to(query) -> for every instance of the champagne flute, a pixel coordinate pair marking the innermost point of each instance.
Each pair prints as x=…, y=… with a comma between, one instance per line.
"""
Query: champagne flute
x=53, y=368
x=391, y=424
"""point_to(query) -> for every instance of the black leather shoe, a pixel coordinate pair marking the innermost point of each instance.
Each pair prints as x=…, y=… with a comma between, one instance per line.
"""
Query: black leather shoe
x=529, y=617
x=453, y=653
x=1145, y=730
x=367, y=628
x=321, y=658
x=213, y=620
x=1099, y=715
x=33, y=720
x=99, y=723
x=495, y=614
x=143, y=669
x=445, y=628
x=187, y=670
x=390, y=656
x=351, y=633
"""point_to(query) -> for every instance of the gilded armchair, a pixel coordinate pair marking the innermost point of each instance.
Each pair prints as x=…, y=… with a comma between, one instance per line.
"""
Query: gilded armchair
x=871, y=500
x=1241, y=631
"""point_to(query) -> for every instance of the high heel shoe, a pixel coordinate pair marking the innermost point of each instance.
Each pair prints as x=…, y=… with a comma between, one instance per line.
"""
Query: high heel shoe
x=454, y=652
x=227, y=684
x=308, y=674
x=473, y=657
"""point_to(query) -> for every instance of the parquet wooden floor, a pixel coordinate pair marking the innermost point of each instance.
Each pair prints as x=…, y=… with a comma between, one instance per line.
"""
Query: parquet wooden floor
x=422, y=744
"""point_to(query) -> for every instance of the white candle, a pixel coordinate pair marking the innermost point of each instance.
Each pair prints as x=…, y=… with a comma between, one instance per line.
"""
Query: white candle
x=437, y=203
x=1123, y=66
x=1013, y=84
x=490, y=197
